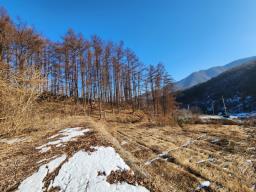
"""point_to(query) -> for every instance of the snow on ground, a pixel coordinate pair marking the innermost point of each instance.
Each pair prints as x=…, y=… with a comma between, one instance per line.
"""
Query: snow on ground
x=203, y=185
x=35, y=183
x=67, y=135
x=206, y=117
x=104, y=160
x=244, y=115
x=81, y=173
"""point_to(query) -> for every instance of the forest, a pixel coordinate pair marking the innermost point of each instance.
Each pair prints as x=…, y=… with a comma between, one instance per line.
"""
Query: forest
x=90, y=70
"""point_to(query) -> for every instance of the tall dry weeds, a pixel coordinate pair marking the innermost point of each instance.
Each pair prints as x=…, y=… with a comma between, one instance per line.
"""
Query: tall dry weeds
x=18, y=93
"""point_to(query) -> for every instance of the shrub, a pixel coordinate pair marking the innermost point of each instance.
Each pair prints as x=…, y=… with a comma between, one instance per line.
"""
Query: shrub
x=18, y=93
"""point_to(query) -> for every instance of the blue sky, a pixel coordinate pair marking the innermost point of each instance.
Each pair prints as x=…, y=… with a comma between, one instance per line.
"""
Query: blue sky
x=185, y=35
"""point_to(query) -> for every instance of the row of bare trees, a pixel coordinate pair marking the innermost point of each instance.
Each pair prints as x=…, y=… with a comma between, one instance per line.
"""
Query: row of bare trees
x=89, y=70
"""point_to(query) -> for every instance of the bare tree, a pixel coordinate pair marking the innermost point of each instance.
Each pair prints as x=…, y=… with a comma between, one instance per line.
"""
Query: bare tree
x=101, y=73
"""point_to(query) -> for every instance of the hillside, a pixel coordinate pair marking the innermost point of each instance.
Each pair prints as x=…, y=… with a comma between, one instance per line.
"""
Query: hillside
x=81, y=113
x=237, y=86
x=121, y=155
x=205, y=75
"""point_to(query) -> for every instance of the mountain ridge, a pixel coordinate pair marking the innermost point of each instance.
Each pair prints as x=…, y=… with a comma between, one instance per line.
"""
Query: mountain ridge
x=202, y=76
x=236, y=85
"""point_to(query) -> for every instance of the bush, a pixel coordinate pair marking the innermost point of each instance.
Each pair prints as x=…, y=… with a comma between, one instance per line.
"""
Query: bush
x=18, y=93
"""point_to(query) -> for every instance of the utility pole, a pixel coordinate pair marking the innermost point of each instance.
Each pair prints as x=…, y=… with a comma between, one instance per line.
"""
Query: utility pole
x=213, y=107
x=224, y=105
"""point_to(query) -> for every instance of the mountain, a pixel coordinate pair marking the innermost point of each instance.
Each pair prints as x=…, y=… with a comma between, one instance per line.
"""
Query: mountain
x=237, y=86
x=205, y=75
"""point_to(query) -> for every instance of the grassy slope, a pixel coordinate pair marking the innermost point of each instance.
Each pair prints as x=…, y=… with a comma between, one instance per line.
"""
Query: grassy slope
x=139, y=140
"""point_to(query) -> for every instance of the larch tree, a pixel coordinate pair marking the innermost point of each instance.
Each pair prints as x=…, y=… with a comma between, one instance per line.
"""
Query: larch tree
x=93, y=71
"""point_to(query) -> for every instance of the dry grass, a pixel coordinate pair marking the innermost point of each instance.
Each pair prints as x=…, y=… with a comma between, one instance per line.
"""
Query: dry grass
x=126, y=116
x=19, y=160
x=222, y=154
x=18, y=93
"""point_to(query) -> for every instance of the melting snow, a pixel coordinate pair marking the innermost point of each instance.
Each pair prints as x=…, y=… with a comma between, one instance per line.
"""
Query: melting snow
x=35, y=183
x=80, y=173
x=244, y=115
x=206, y=117
x=67, y=135
x=206, y=183
x=203, y=185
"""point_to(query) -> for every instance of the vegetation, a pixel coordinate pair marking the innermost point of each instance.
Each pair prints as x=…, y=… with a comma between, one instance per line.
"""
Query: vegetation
x=234, y=85
x=47, y=87
x=100, y=75
x=16, y=102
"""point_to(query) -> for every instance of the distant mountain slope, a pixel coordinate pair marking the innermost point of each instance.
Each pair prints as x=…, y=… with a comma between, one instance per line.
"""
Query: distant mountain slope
x=237, y=86
x=205, y=75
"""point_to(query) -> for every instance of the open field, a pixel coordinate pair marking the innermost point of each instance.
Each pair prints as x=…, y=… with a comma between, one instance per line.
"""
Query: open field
x=179, y=159
x=164, y=158
x=34, y=161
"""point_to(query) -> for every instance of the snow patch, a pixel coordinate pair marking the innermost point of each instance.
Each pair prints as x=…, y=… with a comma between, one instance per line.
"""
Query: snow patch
x=67, y=135
x=244, y=115
x=35, y=183
x=203, y=185
x=210, y=117
x=80, y=173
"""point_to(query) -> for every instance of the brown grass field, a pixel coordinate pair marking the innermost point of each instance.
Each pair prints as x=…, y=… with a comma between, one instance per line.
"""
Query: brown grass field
x=168, y=158
x=224, y=155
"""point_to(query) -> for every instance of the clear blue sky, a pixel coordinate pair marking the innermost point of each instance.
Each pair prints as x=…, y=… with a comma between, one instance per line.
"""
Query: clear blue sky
x=186, y=35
